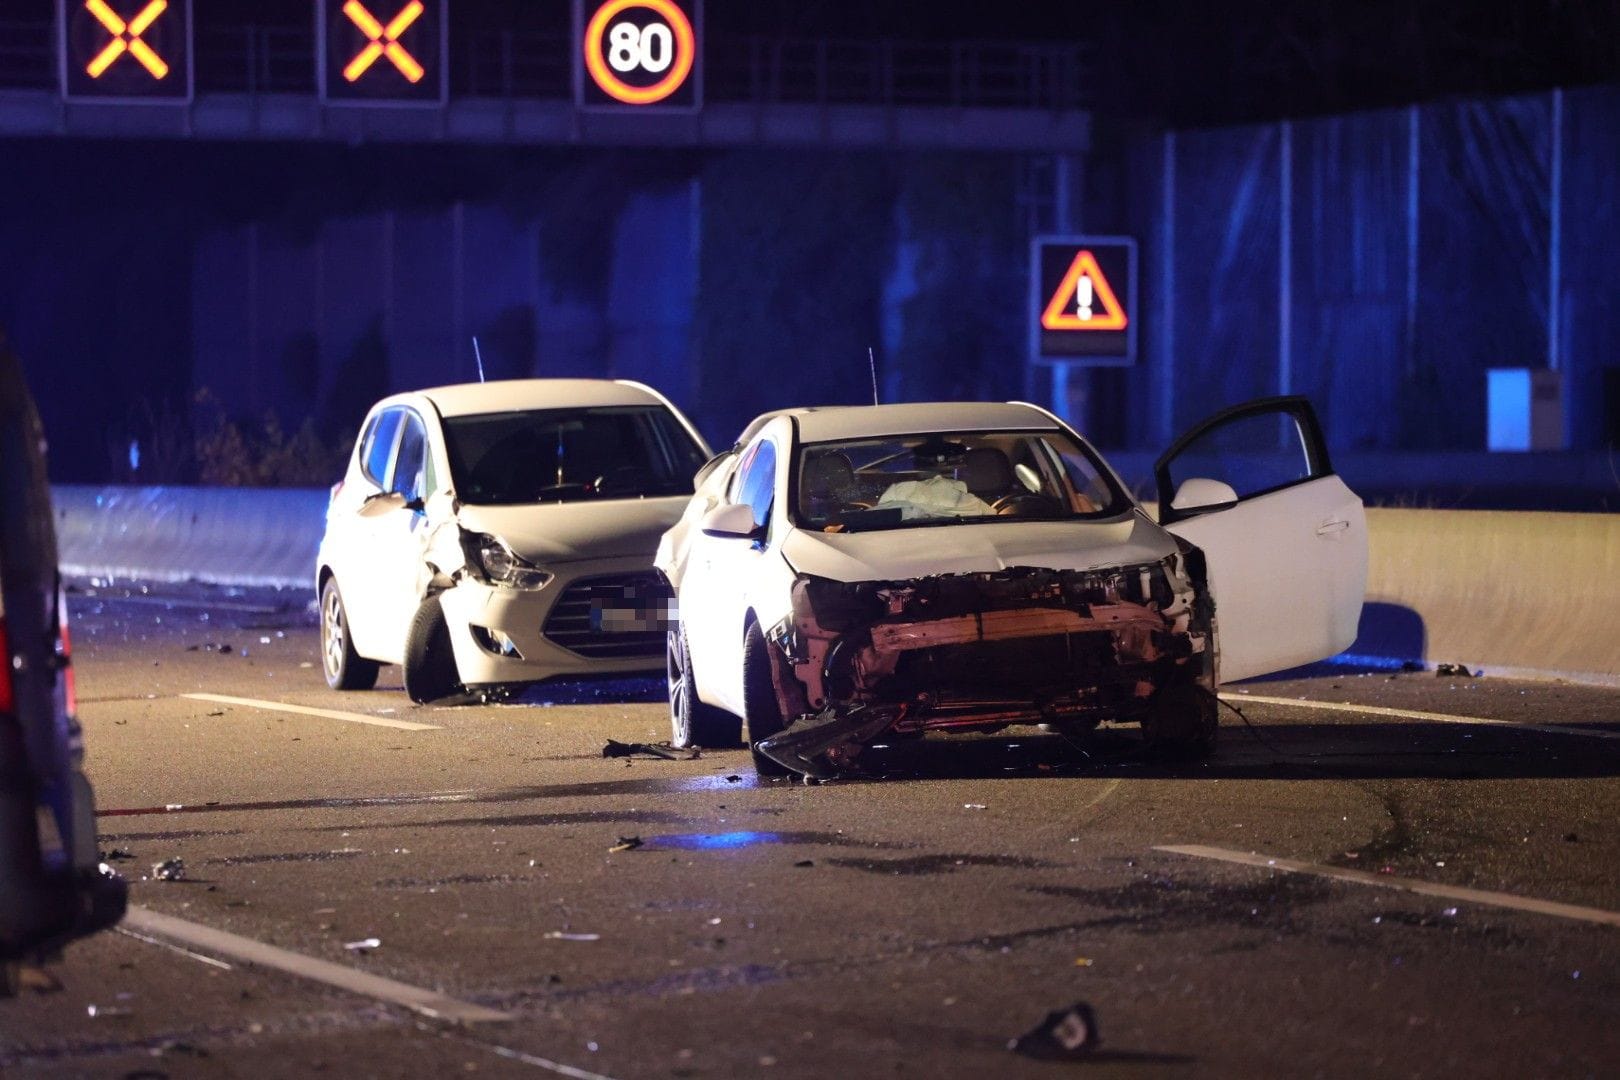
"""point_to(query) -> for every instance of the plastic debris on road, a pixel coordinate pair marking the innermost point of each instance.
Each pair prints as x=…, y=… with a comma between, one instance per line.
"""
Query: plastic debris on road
x=364, y=944
x=1067, y=1033
x=564, y=935
x=974, y=806
x=626, y=843
x=169, y=870
x=613, y=748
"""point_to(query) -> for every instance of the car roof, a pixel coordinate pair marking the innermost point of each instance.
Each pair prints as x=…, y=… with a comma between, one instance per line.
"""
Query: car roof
x=873, y=421
x=510, y=395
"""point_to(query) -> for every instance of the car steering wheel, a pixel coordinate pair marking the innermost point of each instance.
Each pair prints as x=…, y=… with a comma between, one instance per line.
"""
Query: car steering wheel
x=1025, y=504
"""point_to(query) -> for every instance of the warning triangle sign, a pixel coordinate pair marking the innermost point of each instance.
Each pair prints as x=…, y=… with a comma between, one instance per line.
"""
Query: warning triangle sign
x=1083, y=300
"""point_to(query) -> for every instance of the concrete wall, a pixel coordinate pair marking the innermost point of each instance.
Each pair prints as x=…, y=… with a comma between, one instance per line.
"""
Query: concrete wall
x=1517, y=593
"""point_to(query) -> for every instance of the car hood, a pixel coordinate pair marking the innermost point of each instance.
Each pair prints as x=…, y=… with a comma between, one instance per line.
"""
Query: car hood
x=561, y=532
x=904, y=554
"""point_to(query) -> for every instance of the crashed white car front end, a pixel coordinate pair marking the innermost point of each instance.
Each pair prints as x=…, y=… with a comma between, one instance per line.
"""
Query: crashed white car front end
x=490, y=535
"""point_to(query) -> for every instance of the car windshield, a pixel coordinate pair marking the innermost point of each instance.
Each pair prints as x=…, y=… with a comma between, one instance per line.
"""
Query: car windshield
x=937, y=479
x=570, y=455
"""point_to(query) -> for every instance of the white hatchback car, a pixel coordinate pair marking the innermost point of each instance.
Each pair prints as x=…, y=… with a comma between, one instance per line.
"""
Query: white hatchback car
x=847, y=574
x=488, y=535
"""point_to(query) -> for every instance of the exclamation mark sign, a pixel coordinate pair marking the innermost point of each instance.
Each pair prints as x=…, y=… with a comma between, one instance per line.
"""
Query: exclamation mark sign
x=1082, y=298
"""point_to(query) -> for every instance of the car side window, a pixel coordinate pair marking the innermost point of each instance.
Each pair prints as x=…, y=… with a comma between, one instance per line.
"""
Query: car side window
x=410, y=464
x=1254, y=454
x=756, y=484
x=379, y=447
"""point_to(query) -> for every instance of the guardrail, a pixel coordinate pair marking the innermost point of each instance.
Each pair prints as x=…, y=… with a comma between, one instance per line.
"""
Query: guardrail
x=538, y=64
x=1517, y=593
x=226, y=536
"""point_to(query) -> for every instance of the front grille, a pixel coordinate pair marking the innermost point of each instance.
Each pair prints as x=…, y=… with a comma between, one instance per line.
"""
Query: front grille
x=575, y=616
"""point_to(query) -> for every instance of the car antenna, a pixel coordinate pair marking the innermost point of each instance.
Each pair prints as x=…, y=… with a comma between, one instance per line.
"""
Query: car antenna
x=871, y=360
x=479, y=356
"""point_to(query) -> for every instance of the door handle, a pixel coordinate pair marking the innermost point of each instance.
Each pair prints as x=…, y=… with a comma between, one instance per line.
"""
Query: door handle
x=1332, y=527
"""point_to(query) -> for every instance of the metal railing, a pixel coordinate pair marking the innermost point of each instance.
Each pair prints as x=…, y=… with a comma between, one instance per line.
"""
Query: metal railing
x=520, y=64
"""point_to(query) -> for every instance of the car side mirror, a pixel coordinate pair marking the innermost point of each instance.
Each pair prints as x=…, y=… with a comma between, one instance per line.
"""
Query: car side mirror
x=1197, y=493
x=382, y=502
x=733, y=521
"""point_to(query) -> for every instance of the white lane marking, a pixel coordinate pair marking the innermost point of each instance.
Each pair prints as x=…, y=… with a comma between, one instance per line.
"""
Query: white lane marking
x=304, y=710
x=197, y=956
x=429, y=1003
x=539, y=1062
x=1413, y=714
x=1386, y=881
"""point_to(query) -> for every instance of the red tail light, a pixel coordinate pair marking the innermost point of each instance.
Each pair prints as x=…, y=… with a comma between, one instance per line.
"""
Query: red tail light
x=5, y=669
x=70, y=690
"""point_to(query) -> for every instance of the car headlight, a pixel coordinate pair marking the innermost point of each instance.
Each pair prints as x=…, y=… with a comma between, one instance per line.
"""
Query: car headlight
x=503, y=567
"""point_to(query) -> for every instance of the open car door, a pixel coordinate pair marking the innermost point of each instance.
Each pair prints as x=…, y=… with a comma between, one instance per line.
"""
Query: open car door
x=1285, y=540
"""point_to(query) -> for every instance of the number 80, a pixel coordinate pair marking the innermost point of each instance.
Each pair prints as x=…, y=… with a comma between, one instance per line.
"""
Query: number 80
x=629, y=47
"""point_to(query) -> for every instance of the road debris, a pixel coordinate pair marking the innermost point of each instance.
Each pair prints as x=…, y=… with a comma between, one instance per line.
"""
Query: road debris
x=805, y=862
x=223, y=648
x=1068, y=1033
x=1455, y=671
x=626, y=843
x=117, y=854
x=564, y=935
x=974, y=806
x=169, y=870
x=109, y=1012
x=364, y=945
x=613, y=748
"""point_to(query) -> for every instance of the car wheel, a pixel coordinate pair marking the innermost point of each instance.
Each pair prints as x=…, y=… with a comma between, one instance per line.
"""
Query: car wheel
x=692, y=721
x=430, y=661
x=345, y=669
x=1182, y=721
x=759, y=701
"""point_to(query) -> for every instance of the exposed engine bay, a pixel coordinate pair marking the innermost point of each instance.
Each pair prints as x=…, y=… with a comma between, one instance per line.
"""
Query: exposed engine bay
x=979, y=651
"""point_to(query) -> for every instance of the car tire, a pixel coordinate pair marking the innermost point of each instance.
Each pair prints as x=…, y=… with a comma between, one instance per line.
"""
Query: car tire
x=430, y=660
x=759, y=701
x=1182, y=722
x=693, y=721
x=345, y=669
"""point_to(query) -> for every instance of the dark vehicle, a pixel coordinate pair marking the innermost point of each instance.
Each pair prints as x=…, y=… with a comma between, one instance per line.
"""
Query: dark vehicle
x=53, y=887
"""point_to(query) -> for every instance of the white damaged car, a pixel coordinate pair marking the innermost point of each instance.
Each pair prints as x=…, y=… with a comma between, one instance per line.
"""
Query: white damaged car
x=850, y=574
x=488, y=535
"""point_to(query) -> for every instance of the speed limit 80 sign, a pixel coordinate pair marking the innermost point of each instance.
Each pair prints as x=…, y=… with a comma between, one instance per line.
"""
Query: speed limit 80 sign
x=638, y=54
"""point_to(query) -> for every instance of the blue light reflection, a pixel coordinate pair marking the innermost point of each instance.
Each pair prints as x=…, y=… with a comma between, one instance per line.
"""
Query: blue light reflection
x=711, y=841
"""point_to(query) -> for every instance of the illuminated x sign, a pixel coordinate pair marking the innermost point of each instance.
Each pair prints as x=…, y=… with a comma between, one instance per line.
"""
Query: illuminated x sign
x=383, y=52
x=642, y=53
x=1082, y=295
x=384, y=40
x=125, y=50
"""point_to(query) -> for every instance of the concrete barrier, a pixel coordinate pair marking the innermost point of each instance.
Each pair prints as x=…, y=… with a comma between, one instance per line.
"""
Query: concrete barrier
x=228, y=536
x=1512, y=592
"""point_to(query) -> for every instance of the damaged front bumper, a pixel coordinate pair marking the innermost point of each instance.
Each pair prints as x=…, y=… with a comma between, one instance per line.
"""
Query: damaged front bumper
x=1068, y=648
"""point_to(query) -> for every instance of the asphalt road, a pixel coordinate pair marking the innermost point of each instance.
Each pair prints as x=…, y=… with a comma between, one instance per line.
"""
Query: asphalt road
x=905, y=925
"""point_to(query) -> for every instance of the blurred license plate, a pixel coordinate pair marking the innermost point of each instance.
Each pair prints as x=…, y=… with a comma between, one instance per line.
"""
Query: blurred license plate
x=625, y=616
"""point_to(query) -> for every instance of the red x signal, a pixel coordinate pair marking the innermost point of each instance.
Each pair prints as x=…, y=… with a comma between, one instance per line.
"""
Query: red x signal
x=126, y=37
x=383, y=40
